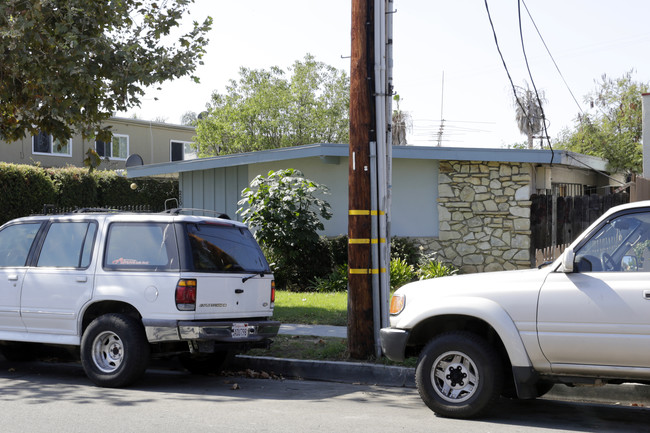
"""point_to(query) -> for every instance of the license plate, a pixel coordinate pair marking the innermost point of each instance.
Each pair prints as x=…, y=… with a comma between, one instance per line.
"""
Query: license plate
x=239, y=330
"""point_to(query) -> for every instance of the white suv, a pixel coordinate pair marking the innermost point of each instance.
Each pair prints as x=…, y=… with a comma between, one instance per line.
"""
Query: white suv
x=123, y=287
x=582, y=320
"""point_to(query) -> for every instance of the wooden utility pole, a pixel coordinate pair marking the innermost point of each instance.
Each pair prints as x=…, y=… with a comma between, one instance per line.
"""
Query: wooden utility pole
x=361, y=342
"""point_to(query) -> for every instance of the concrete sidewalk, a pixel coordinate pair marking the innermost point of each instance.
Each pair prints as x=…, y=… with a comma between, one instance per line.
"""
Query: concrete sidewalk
x=378, y=374
x=314, y=330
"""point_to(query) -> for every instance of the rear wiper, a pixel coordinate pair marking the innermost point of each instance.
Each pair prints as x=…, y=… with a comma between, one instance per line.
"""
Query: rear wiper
x=243, y=280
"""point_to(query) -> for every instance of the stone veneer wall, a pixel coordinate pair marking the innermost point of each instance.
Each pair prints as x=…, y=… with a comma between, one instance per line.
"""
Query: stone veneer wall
x=484, y=215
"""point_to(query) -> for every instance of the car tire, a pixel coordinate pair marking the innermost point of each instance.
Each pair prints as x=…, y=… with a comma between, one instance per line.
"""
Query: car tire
x=209, y=363
x=114, y=350
x=459, y=375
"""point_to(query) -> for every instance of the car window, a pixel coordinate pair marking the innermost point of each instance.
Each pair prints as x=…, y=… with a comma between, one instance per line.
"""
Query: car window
x=225, y=248
x=68, y=244
x=620, y=245
x=15, y=243
x=141, y=246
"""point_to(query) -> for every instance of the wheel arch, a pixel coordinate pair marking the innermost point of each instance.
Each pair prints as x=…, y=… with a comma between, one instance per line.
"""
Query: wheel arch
x=106, y=307
x=478, y=315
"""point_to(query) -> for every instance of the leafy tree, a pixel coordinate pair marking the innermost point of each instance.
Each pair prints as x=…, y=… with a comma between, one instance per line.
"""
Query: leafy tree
x=285, y=212
x=67, y=65
x=265, y=110
x=614, y=130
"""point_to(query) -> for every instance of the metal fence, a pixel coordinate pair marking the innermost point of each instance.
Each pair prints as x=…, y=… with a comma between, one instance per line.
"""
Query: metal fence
x=49, y=209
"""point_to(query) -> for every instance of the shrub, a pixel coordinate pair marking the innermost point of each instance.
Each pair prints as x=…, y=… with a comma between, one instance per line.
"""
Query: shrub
x=339, y=250
x=405, y=249
x=74, y=187
x=285, y=212
x=400, y=273
x=336, y=281
x=435, y=269
x=24, y=189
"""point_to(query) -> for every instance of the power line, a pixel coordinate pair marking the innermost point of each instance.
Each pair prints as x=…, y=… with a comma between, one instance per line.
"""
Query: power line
x=496, y=41
x=539, y=102
x=551, y=56
x=514, y=89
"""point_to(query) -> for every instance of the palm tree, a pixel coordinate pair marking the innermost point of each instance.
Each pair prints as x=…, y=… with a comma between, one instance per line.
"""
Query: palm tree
x=402, y=122
x=528, y=112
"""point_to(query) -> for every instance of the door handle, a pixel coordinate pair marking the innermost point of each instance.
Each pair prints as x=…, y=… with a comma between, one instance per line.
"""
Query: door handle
x=646, y=294
x=13, y=277
x=239, y=290
x=82, y=279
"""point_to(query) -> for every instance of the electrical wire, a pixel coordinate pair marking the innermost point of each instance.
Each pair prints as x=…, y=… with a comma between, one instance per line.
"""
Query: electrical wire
x=505, y=66
x=539, y=102
x=551, y=56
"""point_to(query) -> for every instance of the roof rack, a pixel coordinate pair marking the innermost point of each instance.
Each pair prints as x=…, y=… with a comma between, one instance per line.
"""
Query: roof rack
x=50, y=209
x=187, y=210
x=97, y=210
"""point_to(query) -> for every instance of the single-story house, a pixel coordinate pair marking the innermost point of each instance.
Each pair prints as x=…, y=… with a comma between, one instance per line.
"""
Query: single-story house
x=471, y=206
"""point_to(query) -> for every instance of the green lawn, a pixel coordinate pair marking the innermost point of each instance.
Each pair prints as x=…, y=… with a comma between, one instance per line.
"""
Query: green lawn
x=311, y=308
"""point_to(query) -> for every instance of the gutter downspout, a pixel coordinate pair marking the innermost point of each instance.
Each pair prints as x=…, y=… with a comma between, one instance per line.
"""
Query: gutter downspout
x=380, y=168
x=645, y=136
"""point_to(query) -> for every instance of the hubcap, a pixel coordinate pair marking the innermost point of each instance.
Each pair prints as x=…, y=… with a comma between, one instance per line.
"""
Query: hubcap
x=108, y=351
x=454, y=377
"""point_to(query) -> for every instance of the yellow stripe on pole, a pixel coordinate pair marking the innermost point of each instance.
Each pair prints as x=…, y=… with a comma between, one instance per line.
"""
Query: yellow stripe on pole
x=367, y=271
x=362, y=241
x=366, y=212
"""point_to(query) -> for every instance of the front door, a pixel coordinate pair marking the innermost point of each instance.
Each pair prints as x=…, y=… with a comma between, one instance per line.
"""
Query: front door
x=599, y=315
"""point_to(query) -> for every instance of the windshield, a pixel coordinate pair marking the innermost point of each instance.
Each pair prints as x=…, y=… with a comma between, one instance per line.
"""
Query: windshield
x=225, y=248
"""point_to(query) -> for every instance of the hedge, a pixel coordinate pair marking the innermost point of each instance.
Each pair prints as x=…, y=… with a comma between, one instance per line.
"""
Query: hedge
x=26, y=189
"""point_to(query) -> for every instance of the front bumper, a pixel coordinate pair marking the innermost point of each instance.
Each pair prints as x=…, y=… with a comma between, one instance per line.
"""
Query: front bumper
x=223, y=332
x=393, y=343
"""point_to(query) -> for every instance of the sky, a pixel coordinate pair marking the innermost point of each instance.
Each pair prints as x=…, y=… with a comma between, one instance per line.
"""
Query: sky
x=445, y=61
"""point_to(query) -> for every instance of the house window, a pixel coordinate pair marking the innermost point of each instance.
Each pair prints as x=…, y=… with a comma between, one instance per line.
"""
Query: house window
x=181, y=150
x=45, y=144
x=117, y=149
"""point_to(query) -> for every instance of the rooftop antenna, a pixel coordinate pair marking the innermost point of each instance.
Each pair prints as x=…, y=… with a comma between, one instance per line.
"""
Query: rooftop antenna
x=442, y=103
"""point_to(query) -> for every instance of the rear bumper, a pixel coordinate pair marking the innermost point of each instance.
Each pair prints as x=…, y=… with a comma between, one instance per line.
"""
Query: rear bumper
x=224, y=332
x=393, y=343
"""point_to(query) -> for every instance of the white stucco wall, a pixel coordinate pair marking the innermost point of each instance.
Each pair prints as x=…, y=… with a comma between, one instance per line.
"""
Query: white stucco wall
x=333, y=176
x=414, y=194
x=415, y=198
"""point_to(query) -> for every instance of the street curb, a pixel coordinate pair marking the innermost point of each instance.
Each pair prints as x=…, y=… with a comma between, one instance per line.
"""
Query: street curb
x=385, y=375
x=628, y=394
x=331, y=371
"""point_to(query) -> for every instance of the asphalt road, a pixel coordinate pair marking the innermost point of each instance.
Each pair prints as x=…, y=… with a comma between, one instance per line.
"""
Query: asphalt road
x=54, y=397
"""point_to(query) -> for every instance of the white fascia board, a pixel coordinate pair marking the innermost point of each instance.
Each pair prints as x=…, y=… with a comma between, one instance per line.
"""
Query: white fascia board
x=532, y=156
x=281, y=154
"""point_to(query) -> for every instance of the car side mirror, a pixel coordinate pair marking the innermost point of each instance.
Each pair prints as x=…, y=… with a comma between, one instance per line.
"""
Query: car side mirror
x=567, y=260
x=629, y=264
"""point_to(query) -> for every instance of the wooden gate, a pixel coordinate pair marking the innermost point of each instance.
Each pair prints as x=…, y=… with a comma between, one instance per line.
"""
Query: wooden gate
x=559, y=220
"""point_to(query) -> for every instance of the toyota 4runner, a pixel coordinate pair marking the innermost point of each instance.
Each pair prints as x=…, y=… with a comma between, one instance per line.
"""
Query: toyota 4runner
x=582, y=320
x=122, y=287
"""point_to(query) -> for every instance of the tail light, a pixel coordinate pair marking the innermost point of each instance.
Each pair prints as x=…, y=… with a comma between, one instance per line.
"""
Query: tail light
x=272, y=293
x=186, y=295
